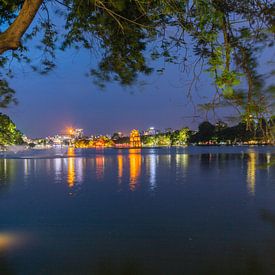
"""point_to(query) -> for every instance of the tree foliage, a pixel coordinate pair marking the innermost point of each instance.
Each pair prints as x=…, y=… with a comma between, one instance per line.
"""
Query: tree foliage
x=175, y=138
x=261, y=131
x=9, y=135
x=226, y=37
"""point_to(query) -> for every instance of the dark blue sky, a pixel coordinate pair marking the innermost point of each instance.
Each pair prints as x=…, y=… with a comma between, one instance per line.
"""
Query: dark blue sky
x=66, y=97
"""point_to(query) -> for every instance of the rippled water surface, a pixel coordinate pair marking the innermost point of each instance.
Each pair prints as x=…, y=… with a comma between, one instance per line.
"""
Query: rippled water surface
x=193, y=210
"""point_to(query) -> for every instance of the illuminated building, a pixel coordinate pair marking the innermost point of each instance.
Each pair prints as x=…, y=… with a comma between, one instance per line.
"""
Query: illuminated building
x=151, y=131
x=75, y=133
x=135, y=141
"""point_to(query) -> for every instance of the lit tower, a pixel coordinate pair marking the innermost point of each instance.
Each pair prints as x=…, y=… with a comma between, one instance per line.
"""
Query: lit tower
x=135, y=141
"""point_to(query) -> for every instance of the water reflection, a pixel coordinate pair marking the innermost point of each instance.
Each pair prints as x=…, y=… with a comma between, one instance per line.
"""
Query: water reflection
x=7, y=170
x=27, y=168
x=182, y=160
x=71, y=152
x=268, y=161
x=152, y=171
x=120, y=167
x=9, y=240
x=167, y=160
x=71, y=167
x=79, y=167
x=58, y=169
x=72, y=170
x=251, y=172
x=100, y=166
x=180, y=221
x=135, y=167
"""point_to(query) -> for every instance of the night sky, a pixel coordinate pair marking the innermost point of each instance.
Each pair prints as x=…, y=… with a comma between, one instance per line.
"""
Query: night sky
x=67, y=98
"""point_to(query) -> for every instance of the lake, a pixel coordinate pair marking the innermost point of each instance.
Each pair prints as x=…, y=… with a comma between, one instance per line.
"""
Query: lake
x=193, y=210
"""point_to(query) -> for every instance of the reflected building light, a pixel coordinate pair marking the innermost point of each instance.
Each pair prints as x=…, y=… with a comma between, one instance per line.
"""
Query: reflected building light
x=71, y=172
x=71, y=167
x=79, y=170
x=166, y=159
x=34, y=166
x=210, y=157
x=135, y=166
x=5, y=168
x=251, y=172
x=58, y=169
x=100, y=166
x=27, y=168
x=3, y=171
x=268, y=158
x=120, y=167
x=48, y=166
x=153, y=166
x=182, y=160
x=71, y=152
x=268, y=161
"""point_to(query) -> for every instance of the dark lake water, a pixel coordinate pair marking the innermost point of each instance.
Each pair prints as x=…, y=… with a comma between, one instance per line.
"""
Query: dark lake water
x=193, y=210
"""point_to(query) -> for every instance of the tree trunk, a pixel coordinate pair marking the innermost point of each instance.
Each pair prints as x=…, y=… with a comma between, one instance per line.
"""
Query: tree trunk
x=10, y=39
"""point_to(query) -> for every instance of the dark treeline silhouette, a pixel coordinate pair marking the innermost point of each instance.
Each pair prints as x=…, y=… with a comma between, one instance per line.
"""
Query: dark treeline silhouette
x=260, y=132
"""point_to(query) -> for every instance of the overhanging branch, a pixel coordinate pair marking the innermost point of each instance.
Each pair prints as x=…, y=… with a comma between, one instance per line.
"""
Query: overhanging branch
x=10, y=39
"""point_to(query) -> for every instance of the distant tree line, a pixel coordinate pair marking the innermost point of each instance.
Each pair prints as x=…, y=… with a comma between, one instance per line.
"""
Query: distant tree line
x=262, y=132
x=175, y=138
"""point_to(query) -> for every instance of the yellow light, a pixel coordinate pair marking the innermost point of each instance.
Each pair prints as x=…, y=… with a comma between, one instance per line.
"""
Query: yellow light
x=251, y=172
x=70, y=130
x=135, y=140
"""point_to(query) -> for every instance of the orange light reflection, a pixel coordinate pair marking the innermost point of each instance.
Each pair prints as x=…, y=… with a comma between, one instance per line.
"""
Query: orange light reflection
x=99, y=162
x=120, y=167
x=135, y=167
x=71, y=167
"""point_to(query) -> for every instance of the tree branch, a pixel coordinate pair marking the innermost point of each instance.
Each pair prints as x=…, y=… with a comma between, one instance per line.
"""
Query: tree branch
x=10, y=39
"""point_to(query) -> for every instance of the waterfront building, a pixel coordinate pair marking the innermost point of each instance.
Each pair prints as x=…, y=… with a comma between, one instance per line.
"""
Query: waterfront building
x=135, y=141
x=150, y=132
x=78, y=133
